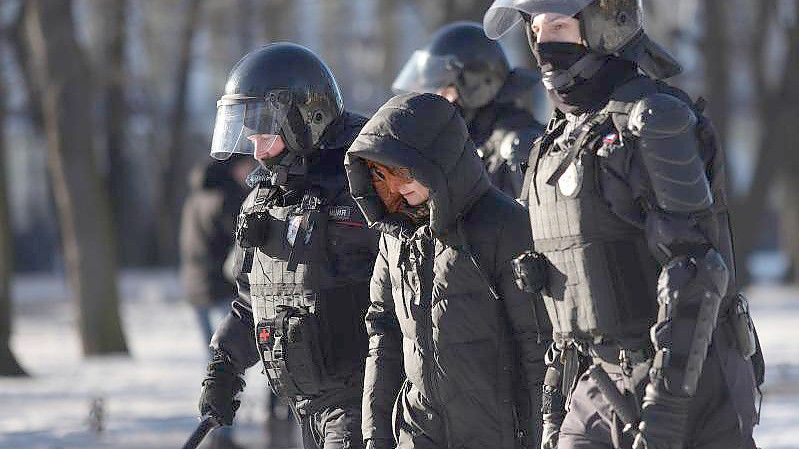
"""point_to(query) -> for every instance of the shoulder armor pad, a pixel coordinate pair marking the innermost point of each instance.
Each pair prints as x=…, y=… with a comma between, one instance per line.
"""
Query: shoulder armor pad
x=660, y=116
x=666, y=131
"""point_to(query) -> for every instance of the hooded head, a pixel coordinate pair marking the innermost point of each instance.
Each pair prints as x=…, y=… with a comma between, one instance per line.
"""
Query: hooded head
x=423, y=137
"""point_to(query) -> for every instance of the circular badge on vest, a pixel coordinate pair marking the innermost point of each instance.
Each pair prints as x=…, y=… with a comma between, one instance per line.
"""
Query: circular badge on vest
x=571, y=181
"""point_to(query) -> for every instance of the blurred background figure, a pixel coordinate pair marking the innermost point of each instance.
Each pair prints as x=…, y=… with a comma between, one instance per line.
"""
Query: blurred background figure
x=208, y=223
x=472, y=72
x=216, y=191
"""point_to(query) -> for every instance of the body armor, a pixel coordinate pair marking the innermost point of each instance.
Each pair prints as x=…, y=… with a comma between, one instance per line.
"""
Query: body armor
x=602, y=278
x=309, y=287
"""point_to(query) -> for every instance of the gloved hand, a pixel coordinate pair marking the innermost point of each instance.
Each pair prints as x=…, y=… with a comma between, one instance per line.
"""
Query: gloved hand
x=252, y=229
x=221, y=387
x=530, y=271
x=380, y=443
x=663, y=419
x=551, y=430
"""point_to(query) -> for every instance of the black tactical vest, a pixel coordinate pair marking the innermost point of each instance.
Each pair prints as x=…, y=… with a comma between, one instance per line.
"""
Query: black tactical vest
x=309, y=289
x=602, y=278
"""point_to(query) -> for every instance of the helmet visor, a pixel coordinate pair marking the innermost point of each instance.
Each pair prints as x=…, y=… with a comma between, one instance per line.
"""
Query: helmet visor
x=427, y=73
x=239, y=117
x=505, y=14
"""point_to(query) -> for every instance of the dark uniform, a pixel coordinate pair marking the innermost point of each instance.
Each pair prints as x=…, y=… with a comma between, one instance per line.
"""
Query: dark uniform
x=305, y=255
x=493, y=98
x=627, y=201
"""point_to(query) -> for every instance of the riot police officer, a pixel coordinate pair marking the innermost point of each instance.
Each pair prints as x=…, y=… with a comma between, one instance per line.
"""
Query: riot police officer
x=473, y=72
x=305, y=253
x=627, y=201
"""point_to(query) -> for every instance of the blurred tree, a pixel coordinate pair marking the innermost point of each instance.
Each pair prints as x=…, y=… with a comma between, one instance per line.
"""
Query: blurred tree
x=173, y=184
x=21, y=50
x=718, y=68
x=82, y=203
x=387, y=14
x=777, y=106
x=8, y=363
x=111, y=72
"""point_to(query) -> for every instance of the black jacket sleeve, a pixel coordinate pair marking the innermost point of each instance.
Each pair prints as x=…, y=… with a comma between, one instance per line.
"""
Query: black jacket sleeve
x=236, y=333
x=384, y=372
x=527, y=316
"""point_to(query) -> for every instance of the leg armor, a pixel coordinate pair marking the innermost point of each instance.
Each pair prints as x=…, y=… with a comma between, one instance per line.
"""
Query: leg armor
x=689, y=293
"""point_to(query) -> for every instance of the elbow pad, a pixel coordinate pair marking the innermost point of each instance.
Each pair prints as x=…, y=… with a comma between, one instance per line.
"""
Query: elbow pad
x=690, y=291
x=665, y=128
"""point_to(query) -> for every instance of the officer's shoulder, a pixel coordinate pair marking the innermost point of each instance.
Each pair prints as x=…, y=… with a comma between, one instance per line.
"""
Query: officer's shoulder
x=659, y=114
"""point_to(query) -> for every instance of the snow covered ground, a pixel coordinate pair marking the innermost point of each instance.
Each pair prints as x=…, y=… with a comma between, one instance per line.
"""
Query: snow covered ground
x=149, y=398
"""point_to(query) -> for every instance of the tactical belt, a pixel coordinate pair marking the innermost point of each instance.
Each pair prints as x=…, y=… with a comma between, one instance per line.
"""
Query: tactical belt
x=632, y=364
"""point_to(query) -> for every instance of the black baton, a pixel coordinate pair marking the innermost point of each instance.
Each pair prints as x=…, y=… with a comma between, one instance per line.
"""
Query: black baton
x=207, y=424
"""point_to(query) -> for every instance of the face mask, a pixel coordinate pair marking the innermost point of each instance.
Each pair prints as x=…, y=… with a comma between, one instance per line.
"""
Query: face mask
x=554, y=56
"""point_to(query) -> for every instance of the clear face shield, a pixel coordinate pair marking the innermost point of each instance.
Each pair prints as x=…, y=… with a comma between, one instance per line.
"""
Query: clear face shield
x=239, y=117
x=427, y=73
x=505, y=14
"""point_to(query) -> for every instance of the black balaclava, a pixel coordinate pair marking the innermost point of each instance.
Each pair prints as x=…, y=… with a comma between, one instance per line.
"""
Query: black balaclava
x=591, y=77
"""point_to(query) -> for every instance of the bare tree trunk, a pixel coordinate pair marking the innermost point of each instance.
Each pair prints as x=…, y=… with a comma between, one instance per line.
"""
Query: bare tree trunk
x=717, y=64
x=789, y=219
x=82, y=203
x=172, y=182
x=777, y=109
x=20, y=47
x=388, y=30
x=8, y=363
x=113, y=70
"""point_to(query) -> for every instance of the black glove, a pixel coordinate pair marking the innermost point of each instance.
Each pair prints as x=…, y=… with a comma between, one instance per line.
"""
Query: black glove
x=221, y=387
x=252, y=229
x=663, y=419
x=530, y=271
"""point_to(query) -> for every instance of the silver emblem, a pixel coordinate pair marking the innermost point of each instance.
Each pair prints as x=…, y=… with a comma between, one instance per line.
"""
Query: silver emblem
x=571, y=181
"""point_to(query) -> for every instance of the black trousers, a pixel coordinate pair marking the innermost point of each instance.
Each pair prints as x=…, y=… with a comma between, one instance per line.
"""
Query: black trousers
x=333, y=427
x=721, y=415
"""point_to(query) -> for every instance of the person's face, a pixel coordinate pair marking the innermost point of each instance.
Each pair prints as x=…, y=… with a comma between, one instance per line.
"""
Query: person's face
x=551, y=27
x=414, y=192
x=266, y=146
x=449, y=92
x=395, y=184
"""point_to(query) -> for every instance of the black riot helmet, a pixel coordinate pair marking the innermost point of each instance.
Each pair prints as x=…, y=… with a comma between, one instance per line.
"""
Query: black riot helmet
x=280, y=89
x=459, y=55
x=608, y=27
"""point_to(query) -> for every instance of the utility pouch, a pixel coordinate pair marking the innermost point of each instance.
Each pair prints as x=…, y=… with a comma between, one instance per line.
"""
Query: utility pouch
x=743, y=327
x=291, y=351
x=530, y=271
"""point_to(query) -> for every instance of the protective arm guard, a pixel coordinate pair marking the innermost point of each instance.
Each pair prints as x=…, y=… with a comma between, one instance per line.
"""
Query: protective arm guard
x=665, y=128
x=690, y=290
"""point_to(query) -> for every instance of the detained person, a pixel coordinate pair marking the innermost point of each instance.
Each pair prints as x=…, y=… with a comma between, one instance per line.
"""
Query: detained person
x=455, y=347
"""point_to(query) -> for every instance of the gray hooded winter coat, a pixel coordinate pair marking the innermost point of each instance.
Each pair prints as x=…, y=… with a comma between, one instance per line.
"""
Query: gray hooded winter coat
x=445, y=312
